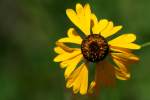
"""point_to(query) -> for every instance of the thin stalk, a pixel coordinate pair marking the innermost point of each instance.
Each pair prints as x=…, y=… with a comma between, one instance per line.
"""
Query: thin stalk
x=146, y=44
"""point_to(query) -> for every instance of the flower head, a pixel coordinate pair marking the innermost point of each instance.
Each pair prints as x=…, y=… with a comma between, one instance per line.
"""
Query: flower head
x=94, y=48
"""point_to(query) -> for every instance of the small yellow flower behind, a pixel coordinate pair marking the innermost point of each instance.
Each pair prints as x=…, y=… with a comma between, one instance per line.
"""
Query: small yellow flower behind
x=94, y=48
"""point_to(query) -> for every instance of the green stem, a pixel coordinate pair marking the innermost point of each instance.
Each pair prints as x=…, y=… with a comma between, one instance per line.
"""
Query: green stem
x=146, y=44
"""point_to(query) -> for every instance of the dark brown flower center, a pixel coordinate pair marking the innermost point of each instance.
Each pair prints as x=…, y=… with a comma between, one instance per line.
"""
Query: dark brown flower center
x=94, y=48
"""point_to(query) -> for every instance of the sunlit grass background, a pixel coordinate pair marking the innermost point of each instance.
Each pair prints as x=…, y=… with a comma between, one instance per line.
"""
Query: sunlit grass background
x=28, y=31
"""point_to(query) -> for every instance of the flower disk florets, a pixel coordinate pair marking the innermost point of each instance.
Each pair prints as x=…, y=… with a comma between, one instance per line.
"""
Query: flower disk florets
x=94, y=48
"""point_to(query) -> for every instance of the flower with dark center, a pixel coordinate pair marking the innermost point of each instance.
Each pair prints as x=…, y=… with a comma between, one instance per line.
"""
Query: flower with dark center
x=94, y=48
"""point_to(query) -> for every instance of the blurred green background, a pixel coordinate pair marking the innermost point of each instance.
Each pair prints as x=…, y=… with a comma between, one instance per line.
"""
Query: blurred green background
x=28, y=31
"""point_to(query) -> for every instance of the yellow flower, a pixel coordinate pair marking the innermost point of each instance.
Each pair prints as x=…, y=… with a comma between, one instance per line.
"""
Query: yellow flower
x=94, y=47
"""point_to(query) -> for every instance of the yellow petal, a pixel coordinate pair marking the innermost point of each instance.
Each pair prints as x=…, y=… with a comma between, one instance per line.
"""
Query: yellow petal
x=110, y=31
x=121, y=75
x=128, y=56
x=129, y=45
x=119, y=49
x=84, y=82
x=65, y=47
x=123, y=53
x=64, y=64
x=72, y=65
x=125, y=41
x=91, y=87
x=82, y=18
x=125, y=38
x=73, y=17
x=94, y=20
x=120, y=63
x=79, y=80
x=115, y=30
x=87, y=18
x=100, y=26
x=58, y=50
x=73, y=76
x=77, y=85
x=121, y=71
x=73, y=37
x=79, y=9
x=66, y=55
x=106, y=31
